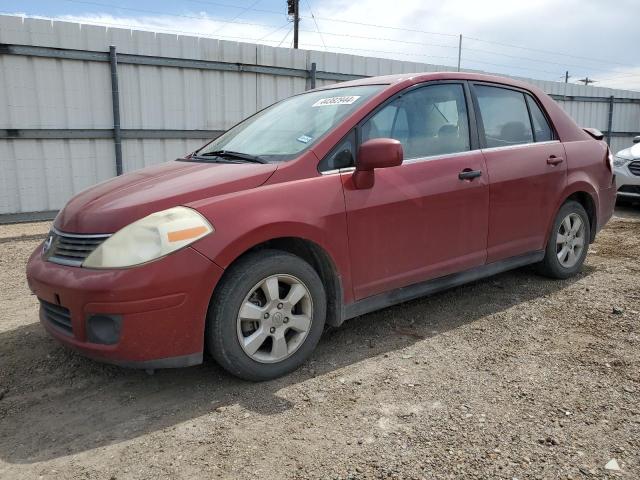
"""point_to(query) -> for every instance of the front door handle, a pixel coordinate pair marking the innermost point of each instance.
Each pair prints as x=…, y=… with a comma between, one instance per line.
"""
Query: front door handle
x=553, y=160
x=468, y=174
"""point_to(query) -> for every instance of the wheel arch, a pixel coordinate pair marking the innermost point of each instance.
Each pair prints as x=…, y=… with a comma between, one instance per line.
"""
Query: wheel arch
x=316, y=256
x=586, y=200
x=585, y=196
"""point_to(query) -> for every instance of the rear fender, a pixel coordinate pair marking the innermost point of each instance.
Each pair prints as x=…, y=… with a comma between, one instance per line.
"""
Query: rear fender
x=577, y=186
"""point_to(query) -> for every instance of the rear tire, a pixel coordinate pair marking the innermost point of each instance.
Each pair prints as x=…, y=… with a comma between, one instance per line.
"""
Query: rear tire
x=267, y=315
x=568, y=242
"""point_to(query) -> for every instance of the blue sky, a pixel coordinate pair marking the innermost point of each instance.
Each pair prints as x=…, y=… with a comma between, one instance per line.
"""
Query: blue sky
x=541, y=39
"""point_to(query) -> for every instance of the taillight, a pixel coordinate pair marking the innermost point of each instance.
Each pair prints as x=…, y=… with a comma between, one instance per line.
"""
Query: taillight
x=609, y=160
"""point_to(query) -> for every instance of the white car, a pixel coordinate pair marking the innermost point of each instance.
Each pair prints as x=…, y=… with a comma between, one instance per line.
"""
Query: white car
x=626, y=165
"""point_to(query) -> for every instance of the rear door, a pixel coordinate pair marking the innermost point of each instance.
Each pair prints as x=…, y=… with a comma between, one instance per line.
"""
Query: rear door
x=420, y=220
x=526, y=168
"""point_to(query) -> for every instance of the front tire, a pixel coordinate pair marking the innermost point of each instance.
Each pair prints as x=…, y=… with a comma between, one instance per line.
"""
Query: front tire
x=568, y=242
x=267, y=315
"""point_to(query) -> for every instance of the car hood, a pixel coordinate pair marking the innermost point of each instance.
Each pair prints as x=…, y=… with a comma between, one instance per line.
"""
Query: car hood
x=632, y=152
x=115, y=203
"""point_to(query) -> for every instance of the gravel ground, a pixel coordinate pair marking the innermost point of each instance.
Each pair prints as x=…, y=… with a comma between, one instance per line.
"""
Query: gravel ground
x=516, y=376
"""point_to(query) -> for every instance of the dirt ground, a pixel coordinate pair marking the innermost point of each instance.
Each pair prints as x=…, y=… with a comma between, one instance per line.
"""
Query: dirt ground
x=516, y=376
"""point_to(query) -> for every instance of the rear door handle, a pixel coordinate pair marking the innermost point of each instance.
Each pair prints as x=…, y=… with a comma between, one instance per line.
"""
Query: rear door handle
x=468, y=174
x=553, y=160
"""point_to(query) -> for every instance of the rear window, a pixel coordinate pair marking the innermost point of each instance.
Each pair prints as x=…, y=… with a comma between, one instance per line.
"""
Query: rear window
x=505, y=116
x=541, y=130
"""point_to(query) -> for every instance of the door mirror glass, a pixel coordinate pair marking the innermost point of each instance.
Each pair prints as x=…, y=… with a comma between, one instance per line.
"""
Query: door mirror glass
x=636, y=139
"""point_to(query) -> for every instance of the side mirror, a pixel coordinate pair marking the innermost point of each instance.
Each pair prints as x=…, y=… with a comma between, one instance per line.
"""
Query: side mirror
x=376, y=153
x=636, y=139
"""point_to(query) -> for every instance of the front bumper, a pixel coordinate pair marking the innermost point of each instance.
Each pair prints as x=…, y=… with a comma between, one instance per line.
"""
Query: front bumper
x=161, y=306
x=631, y=182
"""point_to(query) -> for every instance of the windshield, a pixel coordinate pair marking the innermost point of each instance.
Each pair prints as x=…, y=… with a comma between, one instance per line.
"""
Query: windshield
x=283, y=130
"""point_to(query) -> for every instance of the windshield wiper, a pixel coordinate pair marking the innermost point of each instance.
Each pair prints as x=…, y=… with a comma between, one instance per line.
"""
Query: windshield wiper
x=232, y=154
x=198, y=158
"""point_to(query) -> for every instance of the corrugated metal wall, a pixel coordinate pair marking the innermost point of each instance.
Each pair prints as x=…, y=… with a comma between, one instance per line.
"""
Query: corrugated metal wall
x=35, y=92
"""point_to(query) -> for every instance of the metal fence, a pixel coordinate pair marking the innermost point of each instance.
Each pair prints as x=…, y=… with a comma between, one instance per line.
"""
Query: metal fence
x=83, y=103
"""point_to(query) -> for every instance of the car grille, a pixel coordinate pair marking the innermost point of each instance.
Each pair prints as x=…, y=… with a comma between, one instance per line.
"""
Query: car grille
x=630, y=189
x=634, y=167
x=70, y=248
x=57, y=315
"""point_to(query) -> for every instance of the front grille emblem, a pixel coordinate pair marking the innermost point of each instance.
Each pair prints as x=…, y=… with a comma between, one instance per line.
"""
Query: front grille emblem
x=47, y=244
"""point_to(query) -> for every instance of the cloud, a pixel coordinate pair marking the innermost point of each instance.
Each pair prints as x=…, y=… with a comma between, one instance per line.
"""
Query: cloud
x=584, y=37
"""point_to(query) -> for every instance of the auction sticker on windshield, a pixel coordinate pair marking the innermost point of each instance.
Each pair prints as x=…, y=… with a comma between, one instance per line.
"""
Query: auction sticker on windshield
x=346, y=100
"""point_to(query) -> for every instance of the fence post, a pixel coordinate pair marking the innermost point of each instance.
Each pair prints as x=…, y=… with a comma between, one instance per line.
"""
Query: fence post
x=610, y=120
x=312, y=76
x=115, y=103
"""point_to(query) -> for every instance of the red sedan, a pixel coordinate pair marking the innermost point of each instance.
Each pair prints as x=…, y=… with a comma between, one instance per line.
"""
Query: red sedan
x=322, y=207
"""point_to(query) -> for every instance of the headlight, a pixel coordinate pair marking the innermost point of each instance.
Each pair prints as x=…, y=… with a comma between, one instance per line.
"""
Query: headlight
x=150, y=238
x=620, y=161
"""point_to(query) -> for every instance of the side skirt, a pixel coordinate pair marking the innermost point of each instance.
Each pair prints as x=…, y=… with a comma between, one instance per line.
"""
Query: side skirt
x=417, y=290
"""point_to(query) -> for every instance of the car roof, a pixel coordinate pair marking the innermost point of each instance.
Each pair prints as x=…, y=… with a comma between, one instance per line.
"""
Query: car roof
x=413, y=78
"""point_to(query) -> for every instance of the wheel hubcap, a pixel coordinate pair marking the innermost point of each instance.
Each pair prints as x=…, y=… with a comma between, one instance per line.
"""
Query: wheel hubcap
x=570, y=240
x=275, y=318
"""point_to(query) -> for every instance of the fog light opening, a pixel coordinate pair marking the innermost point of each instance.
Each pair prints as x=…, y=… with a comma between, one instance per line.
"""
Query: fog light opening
x=104, y=329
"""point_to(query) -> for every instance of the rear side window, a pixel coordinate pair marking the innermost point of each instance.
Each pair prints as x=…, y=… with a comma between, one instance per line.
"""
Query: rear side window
x=430, y=120
x=505, y=116
x=541, y=130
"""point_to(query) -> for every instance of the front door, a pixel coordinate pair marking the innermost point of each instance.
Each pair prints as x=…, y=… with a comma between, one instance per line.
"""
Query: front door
x=427, y=217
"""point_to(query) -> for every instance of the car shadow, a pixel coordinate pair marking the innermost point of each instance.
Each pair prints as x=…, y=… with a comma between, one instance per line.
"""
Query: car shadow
x=75, y=404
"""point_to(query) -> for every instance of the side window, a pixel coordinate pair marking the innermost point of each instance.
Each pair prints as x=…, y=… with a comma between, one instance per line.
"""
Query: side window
x=541, y=129
x=342, y=156
x=431, y=120
x=504, y=116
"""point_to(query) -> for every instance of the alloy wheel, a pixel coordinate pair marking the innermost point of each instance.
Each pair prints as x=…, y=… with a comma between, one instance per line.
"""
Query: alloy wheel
x=570, y=240
x=275, y=318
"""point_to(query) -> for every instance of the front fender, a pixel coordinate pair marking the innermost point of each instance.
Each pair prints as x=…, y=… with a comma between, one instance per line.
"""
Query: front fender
x=311, y=209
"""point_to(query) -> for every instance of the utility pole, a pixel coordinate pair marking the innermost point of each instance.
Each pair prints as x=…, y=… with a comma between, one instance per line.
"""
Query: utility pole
x=586, y=80
x=293, y=9
x=459, y=51
x=566, y=76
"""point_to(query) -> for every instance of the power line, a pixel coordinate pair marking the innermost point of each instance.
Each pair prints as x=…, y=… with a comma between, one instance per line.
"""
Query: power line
x=509, y=66
x=381, y=51
x=351, y=22
x=243, y=11
x=164, y=14
x=544, y=51
x=622, y=75
x=325, y=46
x=314, y=21
x=228, y=5
x=272, y=32
x=364, y=37
x=285, y=37
x=153, y=28
x=562, y=64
